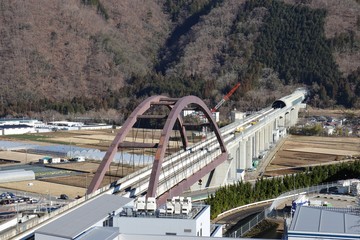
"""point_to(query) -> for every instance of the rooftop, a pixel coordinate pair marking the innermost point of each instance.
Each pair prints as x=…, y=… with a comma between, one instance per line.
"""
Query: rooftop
x=75, y=222
x=100, y=233
x=322, y=221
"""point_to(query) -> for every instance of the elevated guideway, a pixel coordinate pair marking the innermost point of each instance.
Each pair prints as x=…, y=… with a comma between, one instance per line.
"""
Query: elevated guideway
x=244, y=141
x=185, y=163
x=259, y=132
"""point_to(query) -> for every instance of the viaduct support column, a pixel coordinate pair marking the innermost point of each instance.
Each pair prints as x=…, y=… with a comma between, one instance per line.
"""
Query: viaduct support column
x=266, y=137
x=243, y=154
x=249, y=155
x=257, y=143
x=261, y=139
x=270, y=136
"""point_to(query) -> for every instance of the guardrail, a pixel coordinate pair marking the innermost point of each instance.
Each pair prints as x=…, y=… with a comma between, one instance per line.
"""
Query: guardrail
x=266, y=213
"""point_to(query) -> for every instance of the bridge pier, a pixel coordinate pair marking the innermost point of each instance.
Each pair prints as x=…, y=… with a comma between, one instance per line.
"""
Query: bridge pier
x=242, y=155
x=257, y=143
x=266, y=131
x=249, y=154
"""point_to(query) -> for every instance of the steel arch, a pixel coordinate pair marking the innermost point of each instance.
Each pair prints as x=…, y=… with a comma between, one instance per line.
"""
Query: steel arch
x=165, y=135
x=129, y=123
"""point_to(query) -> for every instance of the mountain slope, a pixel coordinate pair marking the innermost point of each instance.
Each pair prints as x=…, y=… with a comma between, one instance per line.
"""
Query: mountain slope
x=60, y=49
x=80, y=55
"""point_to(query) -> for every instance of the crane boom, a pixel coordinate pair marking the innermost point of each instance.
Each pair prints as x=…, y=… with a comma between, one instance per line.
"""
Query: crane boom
x=225, y=98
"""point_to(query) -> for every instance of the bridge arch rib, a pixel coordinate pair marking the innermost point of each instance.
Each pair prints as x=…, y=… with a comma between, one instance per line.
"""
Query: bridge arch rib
x=176, y=106
x=164, y=139
x=120, y=137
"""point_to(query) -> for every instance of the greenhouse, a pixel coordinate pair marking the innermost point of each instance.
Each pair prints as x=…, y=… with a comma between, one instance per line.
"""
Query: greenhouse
x=16, y=175
x=69, y=151
x=63, y=150
x=11, y=146
x=122, y=157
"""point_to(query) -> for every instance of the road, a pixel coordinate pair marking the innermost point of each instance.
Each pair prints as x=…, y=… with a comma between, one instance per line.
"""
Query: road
x=234, y=220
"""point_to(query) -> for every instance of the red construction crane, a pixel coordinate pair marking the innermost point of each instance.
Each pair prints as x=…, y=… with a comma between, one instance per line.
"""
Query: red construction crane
x=225, y=98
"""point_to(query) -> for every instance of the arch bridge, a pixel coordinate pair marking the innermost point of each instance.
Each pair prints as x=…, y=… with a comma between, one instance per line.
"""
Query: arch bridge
x=236, y=146
x=174, y=120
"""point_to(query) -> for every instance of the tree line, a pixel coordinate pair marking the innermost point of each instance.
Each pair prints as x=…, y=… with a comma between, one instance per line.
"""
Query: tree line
x=242, y=193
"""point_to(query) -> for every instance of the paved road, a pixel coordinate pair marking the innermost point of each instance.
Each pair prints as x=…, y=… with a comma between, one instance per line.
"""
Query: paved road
x=233, y=221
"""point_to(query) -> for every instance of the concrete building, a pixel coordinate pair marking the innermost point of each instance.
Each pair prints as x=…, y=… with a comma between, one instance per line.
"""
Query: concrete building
x=323, y=223
x=237, y=115
x=13, y=129
x=19, y=121
x=95, y=213
x=114, y=217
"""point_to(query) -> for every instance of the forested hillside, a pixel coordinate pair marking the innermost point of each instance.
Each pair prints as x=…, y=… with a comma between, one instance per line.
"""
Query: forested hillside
x=106, y=55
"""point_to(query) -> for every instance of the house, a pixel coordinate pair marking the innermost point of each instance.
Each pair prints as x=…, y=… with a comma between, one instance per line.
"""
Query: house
x=329, y=130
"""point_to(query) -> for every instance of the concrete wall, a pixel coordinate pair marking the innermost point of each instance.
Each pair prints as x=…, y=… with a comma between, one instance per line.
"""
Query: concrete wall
x=159, y=226
x=164, y=226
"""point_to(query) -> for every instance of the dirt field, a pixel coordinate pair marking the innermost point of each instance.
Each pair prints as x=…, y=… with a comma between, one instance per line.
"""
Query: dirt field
x=90, y=167
x=338, y=113
x=45, y=188
x=20, y=157
x=300, y=151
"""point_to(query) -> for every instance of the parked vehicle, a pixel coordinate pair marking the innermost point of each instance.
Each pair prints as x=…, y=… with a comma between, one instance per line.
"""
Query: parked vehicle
x=64, y=197
x=78, y=159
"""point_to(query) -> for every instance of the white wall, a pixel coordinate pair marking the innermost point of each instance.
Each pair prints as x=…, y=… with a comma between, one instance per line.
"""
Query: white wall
x=13, y=131
x=203, y=223
x=161, y=226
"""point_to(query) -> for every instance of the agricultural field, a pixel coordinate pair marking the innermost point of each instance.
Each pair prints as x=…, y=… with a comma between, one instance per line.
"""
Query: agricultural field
x=73, y=177
x=296, y=153
x=299, y=152
x=44, y=188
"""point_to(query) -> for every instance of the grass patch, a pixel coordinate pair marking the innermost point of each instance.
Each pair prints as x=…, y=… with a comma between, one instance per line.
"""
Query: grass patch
x=37, y=138
x=29, y=137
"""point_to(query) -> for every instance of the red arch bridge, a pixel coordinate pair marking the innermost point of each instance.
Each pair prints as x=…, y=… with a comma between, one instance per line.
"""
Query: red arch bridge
x=215, y=159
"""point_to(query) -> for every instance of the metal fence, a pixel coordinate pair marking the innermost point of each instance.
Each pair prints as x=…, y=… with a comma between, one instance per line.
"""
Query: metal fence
x=296, y=192
x=271, y=212
x=240, y=232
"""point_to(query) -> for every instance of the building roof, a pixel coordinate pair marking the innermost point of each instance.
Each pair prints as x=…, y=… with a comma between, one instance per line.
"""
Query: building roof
x=100, y=233
x=15, y=126
x=325, y=222
x=77, y=221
